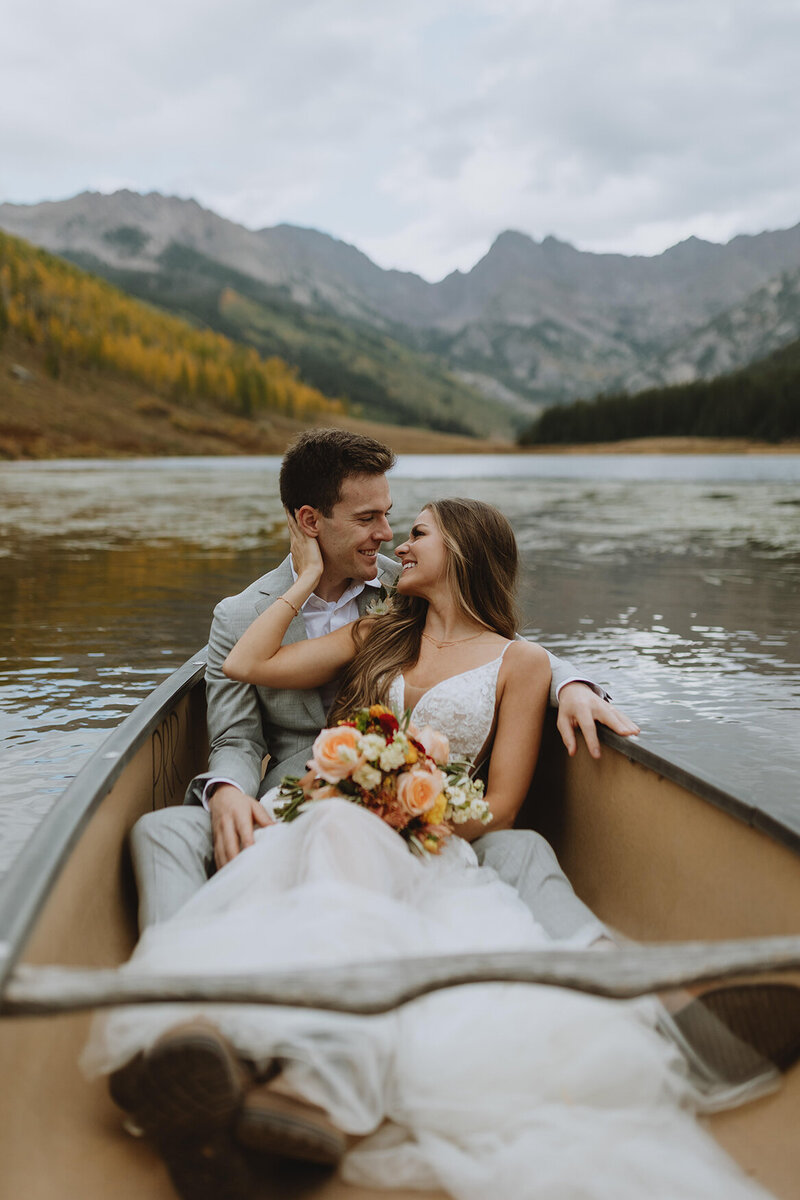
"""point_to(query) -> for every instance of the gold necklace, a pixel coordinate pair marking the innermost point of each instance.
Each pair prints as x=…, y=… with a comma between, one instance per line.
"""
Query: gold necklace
x=455, y=641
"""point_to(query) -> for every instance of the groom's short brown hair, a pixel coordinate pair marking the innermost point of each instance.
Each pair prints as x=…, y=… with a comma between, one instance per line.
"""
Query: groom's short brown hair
x=318, y=461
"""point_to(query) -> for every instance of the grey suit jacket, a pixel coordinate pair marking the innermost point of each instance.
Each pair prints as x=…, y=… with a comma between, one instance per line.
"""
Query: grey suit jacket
x=246, y=722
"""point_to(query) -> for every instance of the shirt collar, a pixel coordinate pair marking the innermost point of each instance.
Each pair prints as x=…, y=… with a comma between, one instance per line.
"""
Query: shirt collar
x=350, y=593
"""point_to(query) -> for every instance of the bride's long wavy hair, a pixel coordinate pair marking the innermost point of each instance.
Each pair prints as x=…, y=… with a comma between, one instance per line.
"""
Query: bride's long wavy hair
x=480, y=570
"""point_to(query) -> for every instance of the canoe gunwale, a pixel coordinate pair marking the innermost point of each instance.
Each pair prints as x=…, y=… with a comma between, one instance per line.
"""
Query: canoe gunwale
x=25, y=888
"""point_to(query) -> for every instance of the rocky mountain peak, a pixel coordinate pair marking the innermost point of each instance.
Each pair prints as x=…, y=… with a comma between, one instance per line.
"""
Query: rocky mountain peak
x=540, y=318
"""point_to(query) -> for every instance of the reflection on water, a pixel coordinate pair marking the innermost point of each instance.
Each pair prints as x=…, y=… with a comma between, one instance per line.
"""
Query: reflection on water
x=680, y=591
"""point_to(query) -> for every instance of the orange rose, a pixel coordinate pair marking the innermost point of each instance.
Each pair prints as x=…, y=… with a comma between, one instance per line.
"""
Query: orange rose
x=336, y=754
x=418, y=791
x=435, y=743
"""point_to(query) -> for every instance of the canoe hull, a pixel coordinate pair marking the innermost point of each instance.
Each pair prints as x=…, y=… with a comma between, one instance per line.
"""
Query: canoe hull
x=655, y=861
x=651, y=858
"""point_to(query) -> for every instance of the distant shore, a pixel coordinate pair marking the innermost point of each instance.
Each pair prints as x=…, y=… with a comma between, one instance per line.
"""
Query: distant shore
x=418, y=441
x=87, y=415
x=670, y=445
x=423, y=441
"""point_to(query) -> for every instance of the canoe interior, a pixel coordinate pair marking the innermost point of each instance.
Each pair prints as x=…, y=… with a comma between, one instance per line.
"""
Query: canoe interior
x=653, y=860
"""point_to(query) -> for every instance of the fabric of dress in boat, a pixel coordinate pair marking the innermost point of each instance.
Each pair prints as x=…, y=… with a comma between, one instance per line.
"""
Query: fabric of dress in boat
x=511, y=1090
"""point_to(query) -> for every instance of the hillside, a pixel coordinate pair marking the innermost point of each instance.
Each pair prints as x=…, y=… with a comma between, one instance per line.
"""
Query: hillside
x=304, y=303
x=766, y=321
x=93, y=414
x=531, y=323
x=87, y=371
x=760, y=401
x=378, y=376
x=81, y=321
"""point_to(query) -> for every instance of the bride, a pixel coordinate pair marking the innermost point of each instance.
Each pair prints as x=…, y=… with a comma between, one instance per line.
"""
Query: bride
x=516, y=1090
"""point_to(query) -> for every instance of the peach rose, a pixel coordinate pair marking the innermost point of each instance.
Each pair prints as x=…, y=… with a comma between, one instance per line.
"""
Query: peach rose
x=418, y=791
x=435, y=743
x=336, y=754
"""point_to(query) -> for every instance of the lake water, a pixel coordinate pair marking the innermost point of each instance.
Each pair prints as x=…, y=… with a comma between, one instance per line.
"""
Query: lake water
x=673, y=580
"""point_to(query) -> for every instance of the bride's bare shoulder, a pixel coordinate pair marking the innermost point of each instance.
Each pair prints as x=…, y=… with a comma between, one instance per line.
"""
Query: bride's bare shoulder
x=523, y=655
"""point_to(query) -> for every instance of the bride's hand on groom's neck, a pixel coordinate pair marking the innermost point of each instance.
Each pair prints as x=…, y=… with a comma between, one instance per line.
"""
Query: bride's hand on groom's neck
x=305, y=548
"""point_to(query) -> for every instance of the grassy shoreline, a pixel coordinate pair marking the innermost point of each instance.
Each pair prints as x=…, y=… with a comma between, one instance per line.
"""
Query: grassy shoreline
x=671, y=445
x=93, y=415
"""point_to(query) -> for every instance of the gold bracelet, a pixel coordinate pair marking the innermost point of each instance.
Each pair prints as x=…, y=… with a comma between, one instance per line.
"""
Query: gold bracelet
x=292, y=606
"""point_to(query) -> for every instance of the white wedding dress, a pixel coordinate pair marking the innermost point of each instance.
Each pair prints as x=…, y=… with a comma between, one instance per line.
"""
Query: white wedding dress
x=516, y=1091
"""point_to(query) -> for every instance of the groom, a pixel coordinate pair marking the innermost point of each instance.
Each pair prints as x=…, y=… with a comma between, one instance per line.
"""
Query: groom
x=337, y=481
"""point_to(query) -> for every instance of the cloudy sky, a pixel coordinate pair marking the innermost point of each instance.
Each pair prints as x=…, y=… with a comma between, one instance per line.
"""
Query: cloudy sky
x=417, y=129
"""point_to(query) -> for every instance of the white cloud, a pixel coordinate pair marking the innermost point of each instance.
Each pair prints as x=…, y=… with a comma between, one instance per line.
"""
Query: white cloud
x=417, y=131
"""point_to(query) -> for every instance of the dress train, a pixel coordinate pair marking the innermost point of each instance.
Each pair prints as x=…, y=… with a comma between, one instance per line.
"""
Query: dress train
x=513, y=1090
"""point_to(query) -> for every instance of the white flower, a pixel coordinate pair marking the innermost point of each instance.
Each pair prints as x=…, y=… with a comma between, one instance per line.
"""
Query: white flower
x=367, y=777
x=372, y=746
x=393, y=756
x=381, y=604
x=347, y=754
x=465, y=802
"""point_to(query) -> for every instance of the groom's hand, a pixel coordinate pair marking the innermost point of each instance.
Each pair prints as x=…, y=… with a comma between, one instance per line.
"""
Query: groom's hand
x=234, y=817
x=578, y=708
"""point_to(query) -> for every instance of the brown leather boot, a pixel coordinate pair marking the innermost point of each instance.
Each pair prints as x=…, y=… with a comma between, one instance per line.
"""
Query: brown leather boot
x=185, y=1092
x=273, y=1123
x=191, y=1081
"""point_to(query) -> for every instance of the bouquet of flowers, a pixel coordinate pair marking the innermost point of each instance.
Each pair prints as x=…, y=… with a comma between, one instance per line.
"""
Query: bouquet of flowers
x=402, y=774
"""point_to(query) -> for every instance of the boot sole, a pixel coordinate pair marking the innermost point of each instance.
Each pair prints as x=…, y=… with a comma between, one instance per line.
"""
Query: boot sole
x=189, y=1084
x=290, y=1135
x=764, y=1015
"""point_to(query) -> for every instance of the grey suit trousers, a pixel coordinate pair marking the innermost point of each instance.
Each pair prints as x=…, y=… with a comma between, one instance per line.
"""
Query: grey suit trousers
x=527, y=862
x=173, y=856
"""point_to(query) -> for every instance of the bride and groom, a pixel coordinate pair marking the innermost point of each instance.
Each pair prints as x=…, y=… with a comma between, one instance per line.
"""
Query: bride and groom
x=521, y=1089
x=336, y=482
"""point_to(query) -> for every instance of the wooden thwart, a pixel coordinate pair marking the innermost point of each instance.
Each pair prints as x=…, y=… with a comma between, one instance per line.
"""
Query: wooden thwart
x=377, y=987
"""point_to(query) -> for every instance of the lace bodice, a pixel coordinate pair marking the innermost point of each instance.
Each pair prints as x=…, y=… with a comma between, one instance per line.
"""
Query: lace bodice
x=462, y=707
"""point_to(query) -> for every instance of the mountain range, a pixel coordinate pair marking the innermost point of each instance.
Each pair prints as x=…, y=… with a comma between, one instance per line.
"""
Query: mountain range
x=532, y=323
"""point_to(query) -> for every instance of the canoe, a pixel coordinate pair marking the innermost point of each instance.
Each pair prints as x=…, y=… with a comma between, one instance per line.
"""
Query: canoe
x=660, y=854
